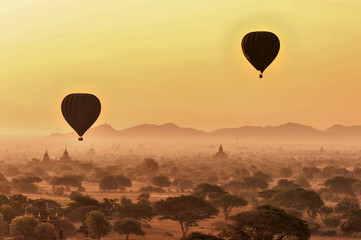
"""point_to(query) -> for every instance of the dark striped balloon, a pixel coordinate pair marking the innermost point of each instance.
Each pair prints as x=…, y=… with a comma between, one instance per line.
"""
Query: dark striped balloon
x=80, y=110
x=260, y=49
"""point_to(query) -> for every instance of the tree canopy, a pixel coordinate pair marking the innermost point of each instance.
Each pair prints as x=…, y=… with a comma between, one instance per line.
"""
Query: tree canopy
x=45, y=231
x=300, y=199
x=128, y=226
x=186, y=210
x=352, y=224
x=161, y=181
x=108, y=183
x=206, y=190
x=227, y=202
x=23, y=226
x=98, y=225
x=136, y=211
x=255, y=182
x=340, y=185
x=269, y=223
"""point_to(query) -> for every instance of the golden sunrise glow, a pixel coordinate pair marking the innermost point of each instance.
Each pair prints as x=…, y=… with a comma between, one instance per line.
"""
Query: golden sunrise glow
x=157, y=61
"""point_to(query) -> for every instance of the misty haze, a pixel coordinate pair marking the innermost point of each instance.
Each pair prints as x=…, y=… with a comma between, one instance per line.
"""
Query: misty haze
x=180, y=120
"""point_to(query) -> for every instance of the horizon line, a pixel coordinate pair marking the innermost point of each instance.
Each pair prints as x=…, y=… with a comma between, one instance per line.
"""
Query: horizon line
x=107, y=123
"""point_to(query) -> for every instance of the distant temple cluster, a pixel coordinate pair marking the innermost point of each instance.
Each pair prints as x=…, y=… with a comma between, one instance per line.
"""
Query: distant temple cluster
x=65, y=158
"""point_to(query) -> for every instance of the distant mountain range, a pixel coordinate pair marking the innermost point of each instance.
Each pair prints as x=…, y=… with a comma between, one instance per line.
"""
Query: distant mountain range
x=286, y=133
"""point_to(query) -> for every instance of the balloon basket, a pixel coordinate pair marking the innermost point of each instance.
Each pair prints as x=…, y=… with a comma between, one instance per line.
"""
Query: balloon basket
x=80, y=139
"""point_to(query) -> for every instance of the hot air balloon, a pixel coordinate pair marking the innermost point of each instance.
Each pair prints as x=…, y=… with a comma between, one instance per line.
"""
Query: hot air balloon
x=260, y=49
x=80, y=110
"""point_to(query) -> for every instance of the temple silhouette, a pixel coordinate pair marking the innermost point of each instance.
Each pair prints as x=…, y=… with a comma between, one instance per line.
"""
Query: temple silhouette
x=64, y=158
x=42, y=214
x=220, y=154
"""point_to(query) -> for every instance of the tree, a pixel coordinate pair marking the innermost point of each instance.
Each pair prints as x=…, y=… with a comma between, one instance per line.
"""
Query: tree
x=356, y=187
x=135, y=211
x=186, y=210
x=19, y=202
x=300, y=199
x=161, y=181
x=45, y=231
x=79, y=200
x=286, y=172
x=98, y=225
x=324, y=211
x=205, y=190
x=67, y=181
x=123, y=181
x=284, y=184
x=79, y=214
x=184, y=184
x=255, y=182
x=340, y=185
x=108, y=183
x=125, y=201
x=128, y=226
x=352, y=224
x=311, y=173
x=347, y=204
x=264, y=176
x=8, y=212
x=268, y=193
x=234, y=186
x=227, y=202
x=110, y=204
x=271, y=223
x=302, y=181
x=150, y=167
x=26, y=184
x=23, y=226
x=332, y=221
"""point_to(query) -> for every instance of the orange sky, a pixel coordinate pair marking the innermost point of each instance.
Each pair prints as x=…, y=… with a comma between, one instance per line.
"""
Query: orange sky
x=157, y=61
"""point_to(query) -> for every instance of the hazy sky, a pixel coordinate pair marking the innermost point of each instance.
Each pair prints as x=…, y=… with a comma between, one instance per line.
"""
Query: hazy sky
x=157, y=61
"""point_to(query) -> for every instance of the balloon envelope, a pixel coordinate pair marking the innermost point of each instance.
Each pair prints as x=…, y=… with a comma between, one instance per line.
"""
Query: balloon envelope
x=80, y=110
x=260, y=49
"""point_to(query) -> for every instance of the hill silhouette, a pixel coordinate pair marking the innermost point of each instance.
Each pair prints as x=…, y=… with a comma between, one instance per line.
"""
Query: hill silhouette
x=285, y=133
